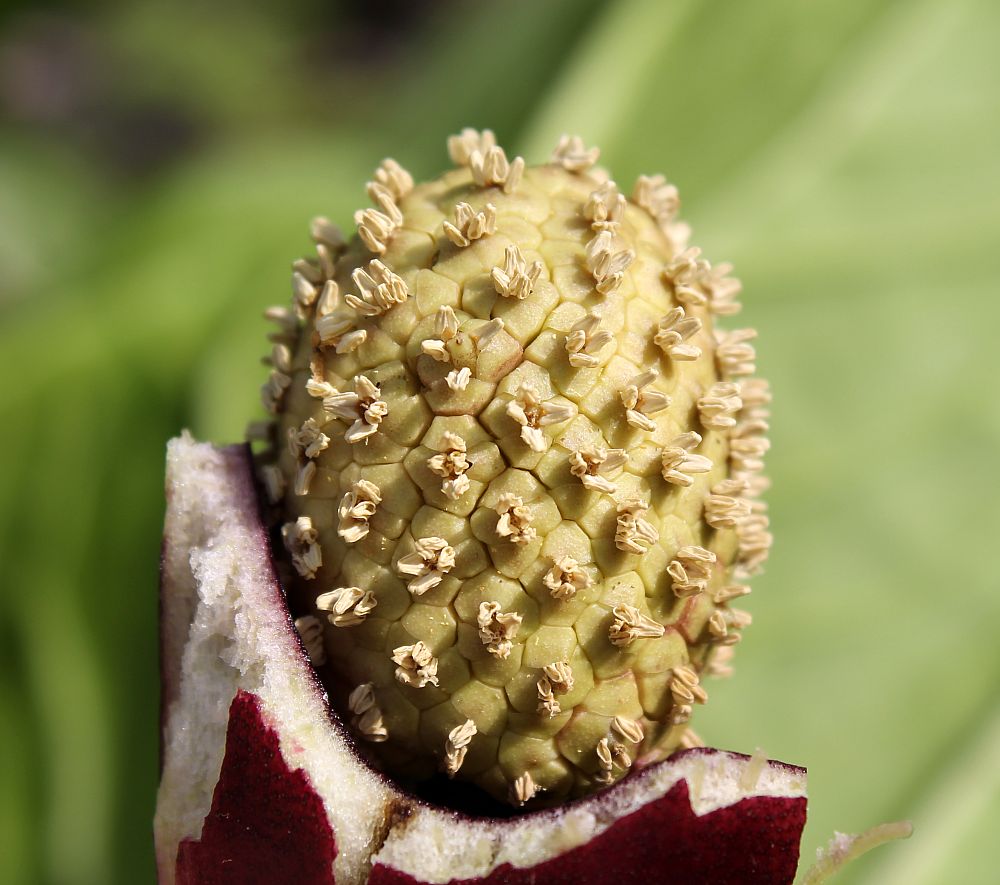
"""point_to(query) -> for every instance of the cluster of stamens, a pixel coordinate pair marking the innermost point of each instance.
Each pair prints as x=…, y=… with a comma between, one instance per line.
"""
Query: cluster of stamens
x=430, y=561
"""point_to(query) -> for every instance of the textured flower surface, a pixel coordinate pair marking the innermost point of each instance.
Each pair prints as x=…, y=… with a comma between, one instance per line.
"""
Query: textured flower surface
x=263, y=783
x=516, y=468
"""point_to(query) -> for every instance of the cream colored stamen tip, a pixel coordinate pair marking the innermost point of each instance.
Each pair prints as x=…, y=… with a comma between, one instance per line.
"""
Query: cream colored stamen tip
x=629, y=729
x=573, y=155
x=311, y=632
x=347, y=606
x=523, y=789
x=416, y=665
x=630, y=624
x=497, y=629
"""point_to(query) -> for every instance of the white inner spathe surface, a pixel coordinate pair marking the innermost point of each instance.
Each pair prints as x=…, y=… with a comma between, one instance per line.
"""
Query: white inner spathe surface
x=436, y=846
x=240, y=638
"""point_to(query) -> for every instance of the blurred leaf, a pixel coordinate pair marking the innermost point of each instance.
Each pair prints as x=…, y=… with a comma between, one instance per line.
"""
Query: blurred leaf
x=844, y=155
x=49, y=212
x=484, y=68
x=111, y=362
x=174, y=268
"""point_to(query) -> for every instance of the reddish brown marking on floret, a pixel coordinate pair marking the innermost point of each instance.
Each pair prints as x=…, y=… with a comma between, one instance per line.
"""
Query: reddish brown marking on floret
x=754, y=842
x=267, y=824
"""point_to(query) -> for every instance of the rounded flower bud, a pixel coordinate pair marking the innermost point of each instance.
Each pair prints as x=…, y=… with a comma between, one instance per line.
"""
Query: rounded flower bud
x=515, y=467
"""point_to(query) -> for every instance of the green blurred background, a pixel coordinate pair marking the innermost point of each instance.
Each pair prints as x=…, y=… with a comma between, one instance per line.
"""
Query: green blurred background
x=159, y=163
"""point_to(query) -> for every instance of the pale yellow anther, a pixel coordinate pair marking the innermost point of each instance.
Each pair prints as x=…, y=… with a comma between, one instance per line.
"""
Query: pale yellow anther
x=325, y=233
x=604, y=754
x=430, y=561
x=523, y=789
x=718, y=406
x=723, y=290
x=591, y=462
x=631, y=624
x=310, y=631
x=308, y=441
x=734, y=353
x=560, y=676
x=304, y=474
x=462, y=146
x=452, y=464
x=490, y=167
x=515, y=519
x=691, y=570
x=634, y=533
x=738, y=619
x=717, y=627
x=367, y=715
x=606, y=265
x=686, y=274
x=673, y=332
x=720, y=662
x=497, y=629
x=641, y=401
x=658, y=197
x=471, y=225
x=356, y=508
x=686, y=691
x=620, y=756
x=457, y=745
x=573, y=155
x=329, y=298
x=339, y=332
x=326, y=258
x=516, y=279
x=375, y=227
x=730, y=592
x=274, y=482
x=686, y=269
x=383, y=197
x=272, y=393
x=679, y=462
x=458, y=379
x=605, y=207
x=487, y=332
x=347, y=606
x=307, y=268
x=362, y=698
x=533, y=413
x=605, y=761
x=280, y=357
x=304, y=294
x=379, y=289
x=548, y=705
x=446, y=328
x=585, y=341
x=746, y=453
x=415, y=665
x=726, y=506
x=362, y=407
x=394, y=178
x=565, y=578
x=287, y=323
x=629, y=729
x=754, y=544
x=756, y=396
x=301, y=540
